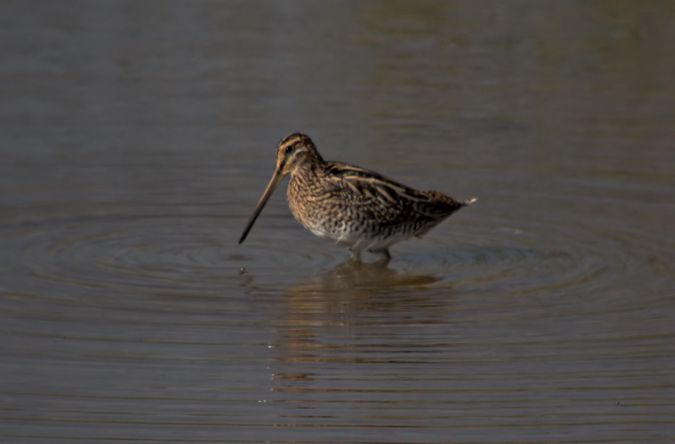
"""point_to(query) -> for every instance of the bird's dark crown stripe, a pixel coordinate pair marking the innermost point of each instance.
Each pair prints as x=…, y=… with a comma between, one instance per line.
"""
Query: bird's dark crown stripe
x=292, y=139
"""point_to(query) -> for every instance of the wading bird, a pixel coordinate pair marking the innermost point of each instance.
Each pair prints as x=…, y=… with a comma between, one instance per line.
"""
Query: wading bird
x=351, y=206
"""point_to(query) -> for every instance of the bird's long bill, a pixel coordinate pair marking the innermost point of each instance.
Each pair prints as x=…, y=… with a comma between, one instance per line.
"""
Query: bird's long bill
x=274, y=183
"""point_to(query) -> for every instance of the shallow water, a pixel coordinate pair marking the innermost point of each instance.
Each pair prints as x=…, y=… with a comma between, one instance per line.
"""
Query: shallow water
x=136, y=138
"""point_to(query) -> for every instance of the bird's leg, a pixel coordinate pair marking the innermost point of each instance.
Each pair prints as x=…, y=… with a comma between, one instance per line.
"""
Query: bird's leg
x=355, y=254
x=382, y=253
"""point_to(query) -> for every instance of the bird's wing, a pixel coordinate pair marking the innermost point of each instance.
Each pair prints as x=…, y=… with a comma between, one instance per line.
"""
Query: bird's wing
x=368, y=188
x=388, y=199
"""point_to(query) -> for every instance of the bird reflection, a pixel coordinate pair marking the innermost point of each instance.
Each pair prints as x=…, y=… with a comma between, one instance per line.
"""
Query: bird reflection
x=335, y=317
x=361, y=279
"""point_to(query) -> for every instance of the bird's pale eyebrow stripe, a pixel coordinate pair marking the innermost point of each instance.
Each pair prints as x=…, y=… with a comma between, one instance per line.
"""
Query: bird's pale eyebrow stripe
x=288, y=143
x=290, y=140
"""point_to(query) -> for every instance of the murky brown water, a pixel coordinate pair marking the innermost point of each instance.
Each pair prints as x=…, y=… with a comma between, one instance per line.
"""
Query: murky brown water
x=136, y=137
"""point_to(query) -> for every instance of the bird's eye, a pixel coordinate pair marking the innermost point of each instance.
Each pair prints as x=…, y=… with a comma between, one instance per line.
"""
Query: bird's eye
x=289, y=149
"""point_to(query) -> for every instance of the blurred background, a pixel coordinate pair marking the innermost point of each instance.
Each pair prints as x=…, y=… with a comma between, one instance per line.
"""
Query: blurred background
x=137, y=136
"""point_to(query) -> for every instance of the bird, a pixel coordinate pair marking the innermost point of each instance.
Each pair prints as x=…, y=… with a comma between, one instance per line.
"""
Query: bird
x=351, y=206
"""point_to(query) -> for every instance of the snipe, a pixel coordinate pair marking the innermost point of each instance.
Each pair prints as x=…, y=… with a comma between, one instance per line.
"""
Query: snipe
x=351, y=206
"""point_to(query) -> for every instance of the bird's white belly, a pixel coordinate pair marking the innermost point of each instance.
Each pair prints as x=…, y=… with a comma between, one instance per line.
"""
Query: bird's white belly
x=358, y=240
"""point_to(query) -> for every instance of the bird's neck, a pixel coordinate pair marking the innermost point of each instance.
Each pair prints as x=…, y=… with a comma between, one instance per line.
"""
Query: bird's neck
x=311, y=169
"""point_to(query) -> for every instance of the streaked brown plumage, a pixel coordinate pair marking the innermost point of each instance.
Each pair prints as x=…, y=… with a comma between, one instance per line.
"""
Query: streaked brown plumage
x=353, y=207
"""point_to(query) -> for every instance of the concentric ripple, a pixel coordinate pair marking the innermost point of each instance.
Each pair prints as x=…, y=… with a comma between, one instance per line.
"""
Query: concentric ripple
x=114, y=254
x=508, y=300
x=62, y=257
x=590, y=250
x=483, y=249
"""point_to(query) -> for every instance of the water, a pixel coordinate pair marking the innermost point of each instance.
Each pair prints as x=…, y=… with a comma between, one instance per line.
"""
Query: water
x=136, y=138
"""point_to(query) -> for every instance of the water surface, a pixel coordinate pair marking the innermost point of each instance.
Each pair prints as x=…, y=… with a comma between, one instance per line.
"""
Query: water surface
x=136, y=138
